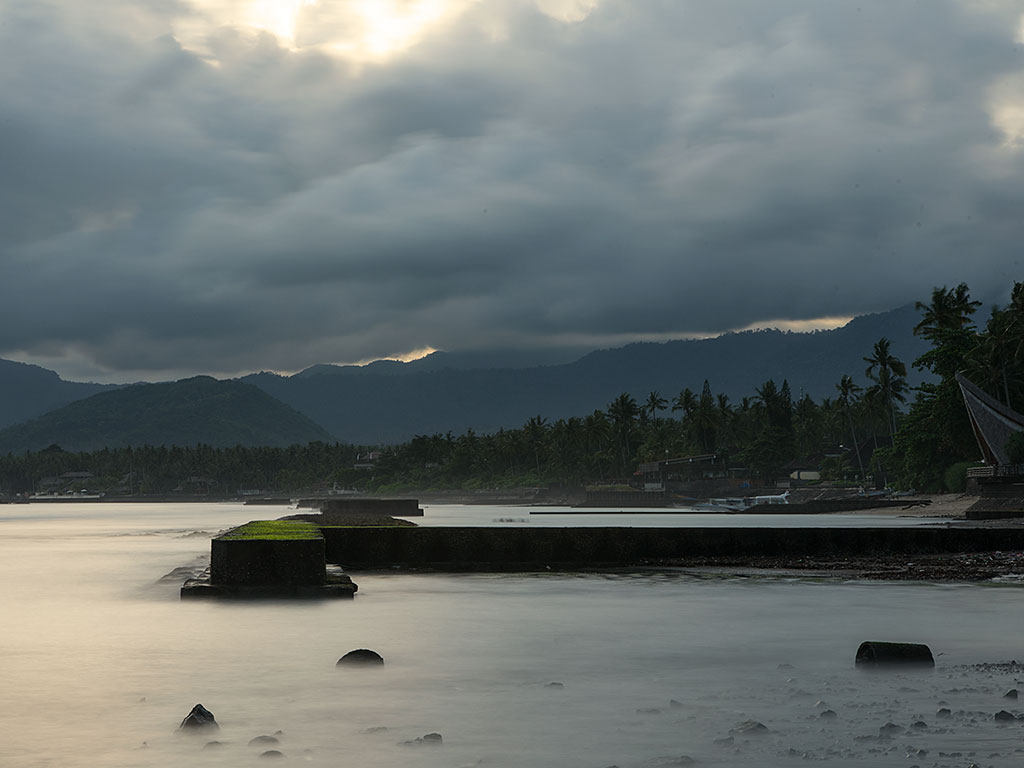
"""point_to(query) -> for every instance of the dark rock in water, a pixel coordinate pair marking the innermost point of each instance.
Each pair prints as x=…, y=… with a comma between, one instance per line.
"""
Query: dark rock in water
x=749, y=728
x=650, y=711
x=213, y=744
x=263, y=740
x=828, y=714
x=1003, y=716
x=361, y=656
x=272, y=754
x=919, y=725
x=725, y=741
x=944, y=712
x=199, y=718
x=875, y=654
x=675, y=704
x=428, y=738
x=554, y=685
x=890, y=728
x=376, y=729
x=1011, y=694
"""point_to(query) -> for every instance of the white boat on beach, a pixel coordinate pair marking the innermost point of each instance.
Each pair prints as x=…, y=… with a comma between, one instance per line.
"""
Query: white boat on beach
x=741, y=503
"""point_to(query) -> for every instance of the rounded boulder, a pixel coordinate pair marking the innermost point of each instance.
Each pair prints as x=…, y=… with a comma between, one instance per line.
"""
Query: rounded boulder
x=360, y=657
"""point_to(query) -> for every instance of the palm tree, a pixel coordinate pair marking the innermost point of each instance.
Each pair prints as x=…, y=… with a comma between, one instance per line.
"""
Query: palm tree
x=623, y=412
x=535, y=432
x=705, y=419
x=889, y=378
x=655, y=402
x=848, y=395
x=685, y=401
x=949, y=310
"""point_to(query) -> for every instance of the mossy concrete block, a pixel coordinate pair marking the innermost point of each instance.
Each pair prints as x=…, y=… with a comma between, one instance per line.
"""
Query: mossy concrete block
x=268, y=553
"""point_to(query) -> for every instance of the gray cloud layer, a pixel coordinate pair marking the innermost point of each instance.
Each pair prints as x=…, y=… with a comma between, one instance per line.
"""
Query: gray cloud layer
x=509, y=179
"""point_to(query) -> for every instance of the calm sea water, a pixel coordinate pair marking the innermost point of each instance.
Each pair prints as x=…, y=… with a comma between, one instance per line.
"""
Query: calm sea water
x=101, y=660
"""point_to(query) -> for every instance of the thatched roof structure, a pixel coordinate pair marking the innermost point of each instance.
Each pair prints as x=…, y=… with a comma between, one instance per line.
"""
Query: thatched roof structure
x=992, y=422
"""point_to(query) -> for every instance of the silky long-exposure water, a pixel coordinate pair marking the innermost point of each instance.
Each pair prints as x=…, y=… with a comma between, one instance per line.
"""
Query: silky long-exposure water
x=101, y=661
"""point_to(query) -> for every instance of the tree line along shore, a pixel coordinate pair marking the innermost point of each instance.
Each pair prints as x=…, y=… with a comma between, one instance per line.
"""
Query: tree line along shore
x=875, y=429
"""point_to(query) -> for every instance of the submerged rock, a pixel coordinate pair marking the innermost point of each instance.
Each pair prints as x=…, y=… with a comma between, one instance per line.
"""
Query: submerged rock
x=1002, y=716
x=1011, y=694
x=554, y=685
x=360, y=656
x=199, y=718
x=272, y=754
x=427, y=738
x=749, y=728
x=263, y=740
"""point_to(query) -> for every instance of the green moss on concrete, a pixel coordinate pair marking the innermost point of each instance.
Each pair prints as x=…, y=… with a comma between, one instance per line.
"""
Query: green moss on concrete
x=272, y=530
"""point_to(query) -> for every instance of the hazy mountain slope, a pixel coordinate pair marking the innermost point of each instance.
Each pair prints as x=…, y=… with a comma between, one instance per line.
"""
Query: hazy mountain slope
x=196, y=410
x=383, y=407
x=27, y=391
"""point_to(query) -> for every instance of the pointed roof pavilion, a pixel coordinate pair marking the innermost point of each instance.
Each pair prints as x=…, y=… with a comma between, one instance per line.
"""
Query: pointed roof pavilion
x=992, y=422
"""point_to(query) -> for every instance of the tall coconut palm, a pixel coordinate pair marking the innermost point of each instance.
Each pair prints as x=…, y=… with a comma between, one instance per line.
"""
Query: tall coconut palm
x=655, y=402
x=847, y=396
x=949, y=310
x=888, y=372
x=623, y=412
x=705, y=419
x=535, y=432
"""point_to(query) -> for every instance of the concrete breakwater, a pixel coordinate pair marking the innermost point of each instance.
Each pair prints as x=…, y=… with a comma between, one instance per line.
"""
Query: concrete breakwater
x=271, y=558
x=382, y=507
x=489, y=549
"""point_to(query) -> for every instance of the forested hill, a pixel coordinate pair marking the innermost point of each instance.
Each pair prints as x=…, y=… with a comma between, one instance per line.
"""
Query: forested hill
x=27, y=391
x=379, y=406
x=186, y=412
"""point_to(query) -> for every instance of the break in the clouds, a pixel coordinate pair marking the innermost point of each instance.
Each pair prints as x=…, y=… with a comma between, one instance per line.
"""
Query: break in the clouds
x=229, y=185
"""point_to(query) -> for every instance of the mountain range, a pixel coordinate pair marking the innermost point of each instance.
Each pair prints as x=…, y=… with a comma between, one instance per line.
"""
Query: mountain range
x=389, y=401
x=197, y=410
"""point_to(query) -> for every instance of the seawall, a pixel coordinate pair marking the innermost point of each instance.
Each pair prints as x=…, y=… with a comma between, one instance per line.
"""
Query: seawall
x=497, y=549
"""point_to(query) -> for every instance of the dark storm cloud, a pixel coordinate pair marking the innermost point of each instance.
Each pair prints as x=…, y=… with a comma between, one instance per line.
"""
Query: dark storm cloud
x=511, y=179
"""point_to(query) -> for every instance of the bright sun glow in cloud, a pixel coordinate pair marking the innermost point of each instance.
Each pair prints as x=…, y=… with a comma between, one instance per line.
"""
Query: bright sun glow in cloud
x=356, y=29
x=279, y=17
x=389, y=26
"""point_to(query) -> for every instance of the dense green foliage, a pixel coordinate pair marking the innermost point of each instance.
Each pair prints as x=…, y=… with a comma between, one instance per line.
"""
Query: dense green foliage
x=200, y=469
x=936, y=433
x=848, y=435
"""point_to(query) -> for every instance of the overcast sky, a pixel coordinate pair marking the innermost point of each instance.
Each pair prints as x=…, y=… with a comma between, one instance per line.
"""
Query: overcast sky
x=223, y=186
